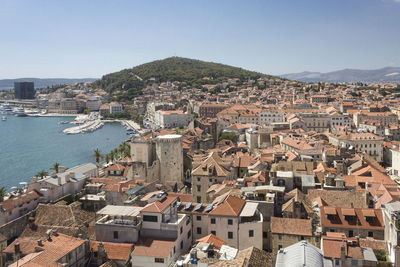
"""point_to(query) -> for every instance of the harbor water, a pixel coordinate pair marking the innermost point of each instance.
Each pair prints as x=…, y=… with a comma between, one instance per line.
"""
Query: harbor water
x=31, y=144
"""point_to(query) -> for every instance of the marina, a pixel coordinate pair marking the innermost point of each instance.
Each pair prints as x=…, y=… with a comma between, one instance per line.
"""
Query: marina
x=31, y=144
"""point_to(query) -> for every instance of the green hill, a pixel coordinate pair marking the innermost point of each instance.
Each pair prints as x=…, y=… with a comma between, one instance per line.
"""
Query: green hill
x=128, y=83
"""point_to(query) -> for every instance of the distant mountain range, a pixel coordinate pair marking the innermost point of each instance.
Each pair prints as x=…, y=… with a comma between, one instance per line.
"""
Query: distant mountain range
x=388, y=74
x=40, y=83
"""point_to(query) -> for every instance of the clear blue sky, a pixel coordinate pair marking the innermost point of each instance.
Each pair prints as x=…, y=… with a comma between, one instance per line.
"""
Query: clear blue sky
x=89, y=38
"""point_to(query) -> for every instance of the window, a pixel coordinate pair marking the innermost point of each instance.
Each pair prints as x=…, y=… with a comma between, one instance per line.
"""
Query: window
x=198, y=179
x=150, y=218
x=182, y=244
x=212, y=220
x=351, y=233
x=181, y=230
x=230, y=235
x=230, y=221
x=199, y=230
x=280, y=237
x=214, y=233
x=160, y=260
x=370, y=234
x=279, y=247
x=198, y=199
x=198, y=188
x=265, y=235
x=198, y=218
x=251, y=233
x=189, y=234
x=115, y=234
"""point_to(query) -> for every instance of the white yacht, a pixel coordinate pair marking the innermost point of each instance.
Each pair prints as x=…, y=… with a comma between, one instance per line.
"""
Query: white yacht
x=20, y=112
x=3, y=117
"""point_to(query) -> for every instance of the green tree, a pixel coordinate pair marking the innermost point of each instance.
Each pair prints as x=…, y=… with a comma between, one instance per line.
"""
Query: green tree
x=229, y=136
x=42, y=174
x=97, y=155
x=3, y=193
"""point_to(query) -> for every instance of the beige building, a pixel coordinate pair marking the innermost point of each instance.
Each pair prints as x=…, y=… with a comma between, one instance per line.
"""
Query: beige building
x=353, y=222
x=237, y=222
x=384, y=118
x=369, y=143
x=288, y=231
x=319, y=122
x=208, y=171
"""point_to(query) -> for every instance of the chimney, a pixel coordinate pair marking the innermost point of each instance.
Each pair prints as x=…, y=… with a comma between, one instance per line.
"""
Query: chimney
x=39, y=242
x=48, y=235
x=342, y=254
x=101, y=255
x=59, y=180
x=343, y=251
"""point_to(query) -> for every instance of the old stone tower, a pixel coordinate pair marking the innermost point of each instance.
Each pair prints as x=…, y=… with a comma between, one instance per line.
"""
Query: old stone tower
x=169, y=152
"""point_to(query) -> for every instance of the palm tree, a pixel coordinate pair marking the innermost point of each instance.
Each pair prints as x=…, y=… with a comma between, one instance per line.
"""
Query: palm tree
x=107, y=158
x=55, y=167
x=3, y=193
x=42, y=174
x=97, y=155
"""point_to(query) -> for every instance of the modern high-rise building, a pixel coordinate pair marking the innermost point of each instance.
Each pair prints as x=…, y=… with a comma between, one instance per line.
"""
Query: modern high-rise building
x=24, y=90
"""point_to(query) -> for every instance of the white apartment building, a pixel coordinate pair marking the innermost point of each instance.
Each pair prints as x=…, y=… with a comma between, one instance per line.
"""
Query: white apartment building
x=172, y=118
x=271, y=116
x=115, y=108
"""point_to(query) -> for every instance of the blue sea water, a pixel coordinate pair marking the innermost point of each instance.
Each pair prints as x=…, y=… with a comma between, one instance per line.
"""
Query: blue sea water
x=31, y=144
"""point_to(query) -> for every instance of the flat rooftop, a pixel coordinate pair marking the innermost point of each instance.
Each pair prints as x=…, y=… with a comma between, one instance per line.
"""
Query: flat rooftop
x=120, y=211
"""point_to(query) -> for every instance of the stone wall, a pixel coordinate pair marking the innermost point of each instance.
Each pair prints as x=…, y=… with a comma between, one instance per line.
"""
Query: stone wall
x=15, y=227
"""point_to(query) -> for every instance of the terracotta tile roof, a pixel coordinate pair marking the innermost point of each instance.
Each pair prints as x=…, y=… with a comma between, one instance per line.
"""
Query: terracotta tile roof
x=248, y=257
x=159, y=206
x=8, y=204
x=27, y=245
x=339, y=198
x=114, y=251
x=115, y=167
x=232, y=206
x=153, y=247
x=331, y=247
x=291, y=226
x=215, y=240
x=53, y=250
x=213, y=162
x=338, y=220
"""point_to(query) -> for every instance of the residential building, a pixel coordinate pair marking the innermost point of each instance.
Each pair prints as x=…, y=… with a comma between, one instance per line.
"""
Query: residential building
x=288, y=231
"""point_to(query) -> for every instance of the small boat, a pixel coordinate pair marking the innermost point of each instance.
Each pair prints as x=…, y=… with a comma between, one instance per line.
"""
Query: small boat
x=3, y=117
